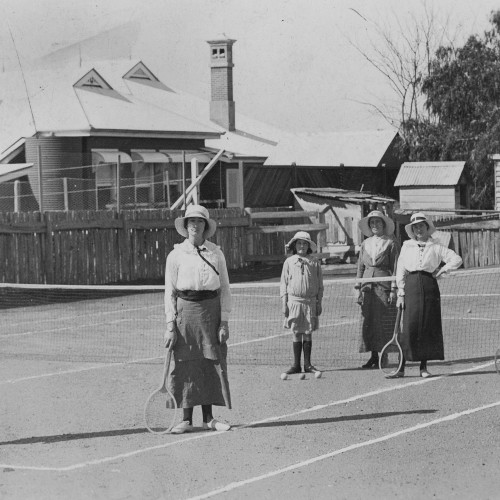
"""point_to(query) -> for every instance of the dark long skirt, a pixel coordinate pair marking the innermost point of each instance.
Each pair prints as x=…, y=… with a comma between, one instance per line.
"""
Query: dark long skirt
x=379, y=318
x=199, y=368
x=422, y=334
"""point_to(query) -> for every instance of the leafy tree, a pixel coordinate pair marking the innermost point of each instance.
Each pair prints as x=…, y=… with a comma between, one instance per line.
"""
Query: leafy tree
x=462, y=92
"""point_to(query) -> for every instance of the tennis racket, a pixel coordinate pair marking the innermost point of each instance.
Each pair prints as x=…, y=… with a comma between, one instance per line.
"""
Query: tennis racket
x=497, y=360
x=391, y=357
x=160, y=411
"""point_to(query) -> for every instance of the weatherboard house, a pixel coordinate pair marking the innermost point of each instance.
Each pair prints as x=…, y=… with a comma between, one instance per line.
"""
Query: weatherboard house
x=107, y=134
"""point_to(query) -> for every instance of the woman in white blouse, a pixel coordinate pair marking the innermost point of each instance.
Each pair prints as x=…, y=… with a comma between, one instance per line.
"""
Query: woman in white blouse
x=197, y=307
x=378, y=256
x=418, y=292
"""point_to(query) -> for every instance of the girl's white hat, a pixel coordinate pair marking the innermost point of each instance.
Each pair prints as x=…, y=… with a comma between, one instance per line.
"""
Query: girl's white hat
x=196, y=211
x=415, y=219
x=302, y=235
x=364, y=223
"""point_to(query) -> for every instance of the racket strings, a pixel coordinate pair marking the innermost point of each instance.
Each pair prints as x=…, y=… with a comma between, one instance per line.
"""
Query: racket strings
x=160, y=412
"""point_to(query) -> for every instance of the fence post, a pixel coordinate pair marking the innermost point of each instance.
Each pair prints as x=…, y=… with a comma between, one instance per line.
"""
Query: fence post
x=40, y=186
x=65, y=194
x=17, y=197
x=194, y=175
x=48, y=261
x=118, y=164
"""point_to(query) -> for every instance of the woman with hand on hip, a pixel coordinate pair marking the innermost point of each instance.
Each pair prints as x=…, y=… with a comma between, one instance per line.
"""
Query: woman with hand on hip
x=197, y=307
x=418, y=292
x=378, y=256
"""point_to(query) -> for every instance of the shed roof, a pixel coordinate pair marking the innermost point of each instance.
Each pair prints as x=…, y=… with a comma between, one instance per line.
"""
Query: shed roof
x=351, y=149
x=430, y=173
x=344, y=195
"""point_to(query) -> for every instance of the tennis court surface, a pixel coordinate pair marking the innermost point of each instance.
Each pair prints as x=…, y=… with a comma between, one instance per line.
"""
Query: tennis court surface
x=77, y=365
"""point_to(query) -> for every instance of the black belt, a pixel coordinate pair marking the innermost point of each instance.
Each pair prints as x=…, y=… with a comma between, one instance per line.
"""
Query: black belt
x=427, y=273
x=196, y=295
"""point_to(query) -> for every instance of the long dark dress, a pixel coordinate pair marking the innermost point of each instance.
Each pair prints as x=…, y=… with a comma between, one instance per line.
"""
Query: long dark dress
x=422, y=335
x=378, y=316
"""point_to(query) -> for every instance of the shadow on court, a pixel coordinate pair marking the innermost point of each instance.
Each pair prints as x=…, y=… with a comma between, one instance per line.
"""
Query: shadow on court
x=349, y=418
x=73, y=437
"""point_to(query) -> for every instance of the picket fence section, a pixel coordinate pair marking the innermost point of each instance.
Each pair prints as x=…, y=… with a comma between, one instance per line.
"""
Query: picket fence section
x=103, y=247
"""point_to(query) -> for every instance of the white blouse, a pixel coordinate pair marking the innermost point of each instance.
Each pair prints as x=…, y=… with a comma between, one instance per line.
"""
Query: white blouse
x=186, y=270
x=428, y=257
x=375, y=245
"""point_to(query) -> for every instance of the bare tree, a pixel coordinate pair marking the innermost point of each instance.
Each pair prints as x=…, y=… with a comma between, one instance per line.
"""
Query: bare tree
x=401, y=50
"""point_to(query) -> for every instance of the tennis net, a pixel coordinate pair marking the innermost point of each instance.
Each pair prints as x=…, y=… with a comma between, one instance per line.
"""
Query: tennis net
x=126, y=323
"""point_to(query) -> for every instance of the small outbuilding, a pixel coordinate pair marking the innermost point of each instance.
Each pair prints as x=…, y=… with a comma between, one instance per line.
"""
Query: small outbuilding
x=433, y=185
x=342, y=209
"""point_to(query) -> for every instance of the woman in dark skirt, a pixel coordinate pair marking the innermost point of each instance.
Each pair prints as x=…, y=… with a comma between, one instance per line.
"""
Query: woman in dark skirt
x=418, y=292
x=197, y=307
x=378, y=256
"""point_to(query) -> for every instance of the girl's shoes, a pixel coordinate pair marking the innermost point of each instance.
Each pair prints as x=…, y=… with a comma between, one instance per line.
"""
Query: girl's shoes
x=215, y=425
x=425, y=374
x=293, y=369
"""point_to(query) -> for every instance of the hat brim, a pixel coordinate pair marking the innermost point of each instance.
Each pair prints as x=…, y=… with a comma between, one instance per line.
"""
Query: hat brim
x=364, y=225
x=210, y=229
x=312, y=245
x=409, y=228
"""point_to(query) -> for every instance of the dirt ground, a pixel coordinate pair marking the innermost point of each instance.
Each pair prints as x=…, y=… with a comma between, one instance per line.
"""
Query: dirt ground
x=350, y=434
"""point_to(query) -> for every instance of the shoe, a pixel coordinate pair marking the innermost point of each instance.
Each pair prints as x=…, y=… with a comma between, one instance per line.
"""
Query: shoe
x=293, y=369
x=310, y=369
x=425, y=374
x=371, y=363
x=396, y=375
x=182, y=427
x=215, y=425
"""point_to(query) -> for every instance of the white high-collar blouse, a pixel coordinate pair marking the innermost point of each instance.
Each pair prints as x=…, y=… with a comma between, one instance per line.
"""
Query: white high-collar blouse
x=427, y=257
x=186, y=270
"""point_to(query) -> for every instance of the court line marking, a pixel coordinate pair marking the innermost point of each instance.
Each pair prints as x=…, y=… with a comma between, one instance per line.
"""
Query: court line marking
x=145, y=360
x=352, y=447
x=142, y=451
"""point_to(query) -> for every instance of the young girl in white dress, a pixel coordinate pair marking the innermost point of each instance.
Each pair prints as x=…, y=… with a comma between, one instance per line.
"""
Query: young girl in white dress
x=301, y=292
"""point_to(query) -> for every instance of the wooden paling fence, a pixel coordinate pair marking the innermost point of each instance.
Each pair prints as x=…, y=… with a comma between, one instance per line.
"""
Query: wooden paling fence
x=102, y=247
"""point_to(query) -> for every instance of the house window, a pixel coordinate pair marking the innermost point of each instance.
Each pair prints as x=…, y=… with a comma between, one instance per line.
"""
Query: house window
x=218, y=53
x=105, y=175
x=233, y=191
x=143, y=185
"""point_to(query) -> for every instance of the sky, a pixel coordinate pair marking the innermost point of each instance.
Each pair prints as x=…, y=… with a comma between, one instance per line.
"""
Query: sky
x=296, y=66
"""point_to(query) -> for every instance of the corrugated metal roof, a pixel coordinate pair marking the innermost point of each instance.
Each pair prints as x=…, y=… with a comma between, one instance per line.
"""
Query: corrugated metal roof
x=430, y=173
x=146, y=107
x=352, y=149
x=344, y=195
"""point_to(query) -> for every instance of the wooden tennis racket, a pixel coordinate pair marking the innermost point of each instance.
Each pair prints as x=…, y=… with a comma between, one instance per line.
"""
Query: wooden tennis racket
x=160, y=411
x=391, y=357
x=497, y=360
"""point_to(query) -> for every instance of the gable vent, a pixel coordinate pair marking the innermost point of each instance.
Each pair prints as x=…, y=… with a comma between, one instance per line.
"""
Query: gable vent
x=140, y=72
x=92, y=80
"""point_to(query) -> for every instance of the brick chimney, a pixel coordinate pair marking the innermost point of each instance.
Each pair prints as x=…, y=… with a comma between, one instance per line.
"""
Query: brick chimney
x=221, y=69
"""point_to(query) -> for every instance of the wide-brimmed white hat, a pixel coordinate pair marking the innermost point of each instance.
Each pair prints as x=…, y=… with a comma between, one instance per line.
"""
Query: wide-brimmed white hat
x=415, y=219
x=364, y=223
x=196, y=211
x=302, y=235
